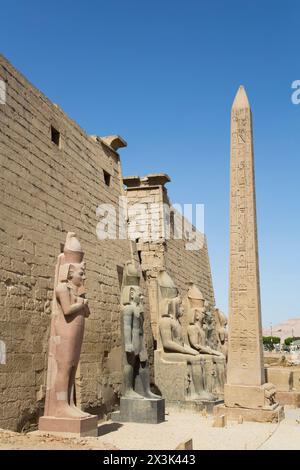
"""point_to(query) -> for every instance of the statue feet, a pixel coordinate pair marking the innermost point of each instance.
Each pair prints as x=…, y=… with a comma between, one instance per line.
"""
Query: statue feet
x=206, y=396
x=152, y=396
x=81, y=413
x=64, y=410
x=133, y=394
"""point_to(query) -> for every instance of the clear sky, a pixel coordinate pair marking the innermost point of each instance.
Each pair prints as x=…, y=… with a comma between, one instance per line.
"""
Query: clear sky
x=163, y=74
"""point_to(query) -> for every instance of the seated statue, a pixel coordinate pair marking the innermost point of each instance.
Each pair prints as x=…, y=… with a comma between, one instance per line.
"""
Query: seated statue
x=136, y=378
x=222, y=332
x=174, y=350
x=214, y=360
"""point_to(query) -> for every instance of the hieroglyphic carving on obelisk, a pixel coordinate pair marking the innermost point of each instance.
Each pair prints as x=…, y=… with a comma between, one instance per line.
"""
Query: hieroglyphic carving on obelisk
x=245, y=355
x=246, y=393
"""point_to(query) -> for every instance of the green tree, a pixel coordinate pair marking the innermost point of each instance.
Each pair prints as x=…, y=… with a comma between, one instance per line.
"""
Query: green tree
x=290, y=339
x=269, y=341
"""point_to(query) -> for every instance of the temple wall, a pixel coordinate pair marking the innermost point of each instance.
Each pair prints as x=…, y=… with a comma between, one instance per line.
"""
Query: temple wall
x=183, y=264
x=47, y=190
x=49, y=187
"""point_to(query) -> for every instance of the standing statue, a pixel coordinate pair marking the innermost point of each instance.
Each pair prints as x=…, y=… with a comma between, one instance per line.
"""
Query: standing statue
x=174, y=349
x=137, y=403
x=69, y=310
x=214, y=360
x=136, y=377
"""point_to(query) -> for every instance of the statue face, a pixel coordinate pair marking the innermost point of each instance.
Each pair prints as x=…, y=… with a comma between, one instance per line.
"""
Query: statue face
x=199, y=316
x=178, y=307
x=136, y=296
x=77, y=274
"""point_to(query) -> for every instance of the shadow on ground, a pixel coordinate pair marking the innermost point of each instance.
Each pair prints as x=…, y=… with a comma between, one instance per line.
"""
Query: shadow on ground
x=107, y=428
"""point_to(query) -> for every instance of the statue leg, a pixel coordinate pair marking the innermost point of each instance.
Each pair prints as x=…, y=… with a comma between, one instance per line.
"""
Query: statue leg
x=209, y=374
x=198, y=380
x=128, y=376
x=61, y=407
x=221, y=374
x=144, y=374
x=72, y=394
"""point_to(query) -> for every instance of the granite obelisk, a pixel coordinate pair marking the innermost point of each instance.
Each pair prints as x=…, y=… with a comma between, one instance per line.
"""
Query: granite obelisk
x=246, y=392
x=245, y=354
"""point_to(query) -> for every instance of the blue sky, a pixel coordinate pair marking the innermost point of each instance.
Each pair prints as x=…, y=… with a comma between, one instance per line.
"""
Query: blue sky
x=163, y=75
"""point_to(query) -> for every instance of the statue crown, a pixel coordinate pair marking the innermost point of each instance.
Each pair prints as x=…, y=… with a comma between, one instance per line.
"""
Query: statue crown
x=72, y=250
x=131, y=275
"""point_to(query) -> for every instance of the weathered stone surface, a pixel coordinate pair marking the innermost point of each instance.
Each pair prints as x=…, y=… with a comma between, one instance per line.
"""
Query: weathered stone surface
x=286, y=381
x=185, y=445
x=140, y=411
x=281, y=377
x=249, y=414
x=290, y=399
x=70, y=308
x=246, y=391
x=245, y=355
x=160, y=249
x=249, y=396
x=219, y=421
x=85, y=426
x=46, y=190
x=138, y=402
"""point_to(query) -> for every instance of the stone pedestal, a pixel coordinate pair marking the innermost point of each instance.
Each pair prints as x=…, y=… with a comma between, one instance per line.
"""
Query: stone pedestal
x=272, y=415
x=286, y=381
x=140, y=411
x=247, y=396
x=85, y=426
x=193, y=405
x=290, y=399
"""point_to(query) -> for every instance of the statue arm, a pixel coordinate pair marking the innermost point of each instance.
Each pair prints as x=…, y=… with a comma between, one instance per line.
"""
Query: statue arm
x=193, y=337
x=86, y=308
x=168, y=344
x=63, y=297
x=127, y=326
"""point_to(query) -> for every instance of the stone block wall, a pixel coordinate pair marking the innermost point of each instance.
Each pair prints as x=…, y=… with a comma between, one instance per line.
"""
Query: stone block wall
x=53, y=178
x=166, y=250
x=47, y=190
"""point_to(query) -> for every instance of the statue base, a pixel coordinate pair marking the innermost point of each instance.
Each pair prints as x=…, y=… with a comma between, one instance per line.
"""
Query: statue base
x=140, y=411
x=261, y=415
x=193, y=405
x=80, y=427
x=290, y=399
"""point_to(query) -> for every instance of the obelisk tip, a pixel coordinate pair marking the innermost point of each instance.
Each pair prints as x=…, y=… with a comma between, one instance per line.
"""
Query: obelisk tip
x=241, y=100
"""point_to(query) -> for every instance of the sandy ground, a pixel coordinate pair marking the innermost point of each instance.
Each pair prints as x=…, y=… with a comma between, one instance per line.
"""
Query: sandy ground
x=177, y=428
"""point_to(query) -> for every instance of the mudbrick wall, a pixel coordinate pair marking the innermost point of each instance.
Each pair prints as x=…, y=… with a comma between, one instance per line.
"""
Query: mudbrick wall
x=53, y=178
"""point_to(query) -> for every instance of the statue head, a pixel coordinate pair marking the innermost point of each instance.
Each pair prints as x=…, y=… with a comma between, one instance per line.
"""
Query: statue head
x=167, y=288
x=72, y=250
x=132, y=295
x=195, y=297
x=175, y=307
x=71, y=267
x=131, y=291
x=76, y=274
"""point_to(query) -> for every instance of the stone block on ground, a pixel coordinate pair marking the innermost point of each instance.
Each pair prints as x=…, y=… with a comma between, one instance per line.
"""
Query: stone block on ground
x=140, y=411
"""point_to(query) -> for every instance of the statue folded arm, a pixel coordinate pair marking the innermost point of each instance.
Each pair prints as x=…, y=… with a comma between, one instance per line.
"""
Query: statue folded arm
x=63, y=297
x=168, y=343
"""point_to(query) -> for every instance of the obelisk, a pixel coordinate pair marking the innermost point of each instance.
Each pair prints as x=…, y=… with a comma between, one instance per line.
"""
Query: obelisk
x=245, y=354
x=246, y=391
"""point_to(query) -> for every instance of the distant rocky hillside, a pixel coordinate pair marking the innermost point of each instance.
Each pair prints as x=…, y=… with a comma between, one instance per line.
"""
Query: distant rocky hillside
x=285, y=329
